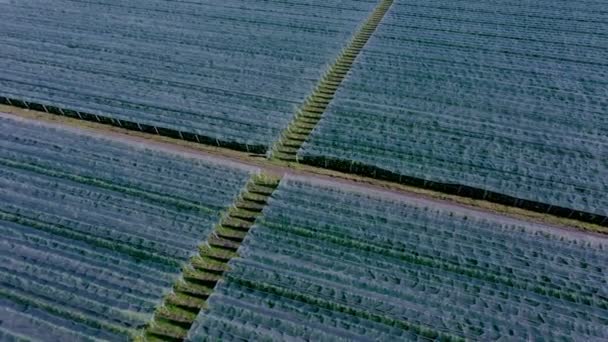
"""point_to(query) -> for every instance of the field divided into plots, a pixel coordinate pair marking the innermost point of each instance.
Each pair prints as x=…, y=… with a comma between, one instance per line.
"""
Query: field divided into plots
x=505, y=101
x=229, y=72
x=382, y=267
x=93, y=233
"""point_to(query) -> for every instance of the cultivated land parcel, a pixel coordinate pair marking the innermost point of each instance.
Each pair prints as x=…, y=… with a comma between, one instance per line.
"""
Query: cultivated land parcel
x=94, y=233
x=106, y=235
x=230, y=72
x=376, y=267
x=507, y=98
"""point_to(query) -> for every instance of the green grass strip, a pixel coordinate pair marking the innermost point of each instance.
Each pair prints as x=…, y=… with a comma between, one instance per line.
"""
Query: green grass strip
x=179, y=309
x=311, y=111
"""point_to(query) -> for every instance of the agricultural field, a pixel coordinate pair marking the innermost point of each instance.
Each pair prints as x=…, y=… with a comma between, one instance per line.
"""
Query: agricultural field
x=93, y=233
x=114, y=235
x=380, y=266
x=229, y=72
x=507, y=98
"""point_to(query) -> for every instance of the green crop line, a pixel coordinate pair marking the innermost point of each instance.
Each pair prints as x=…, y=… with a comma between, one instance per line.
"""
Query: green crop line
x=107, y=119
x=164, y=199
x=310, y=112
x=424, y=331
x=173, y=319
x=405, y=256
x=19, y=296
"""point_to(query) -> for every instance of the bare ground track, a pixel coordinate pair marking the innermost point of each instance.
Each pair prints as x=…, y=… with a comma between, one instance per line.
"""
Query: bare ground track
x=279, y=168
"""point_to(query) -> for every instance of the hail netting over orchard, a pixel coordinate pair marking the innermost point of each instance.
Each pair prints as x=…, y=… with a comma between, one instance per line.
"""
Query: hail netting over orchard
x=93, y=233
x=376, y=267
x=229, y=71
x=505, y=97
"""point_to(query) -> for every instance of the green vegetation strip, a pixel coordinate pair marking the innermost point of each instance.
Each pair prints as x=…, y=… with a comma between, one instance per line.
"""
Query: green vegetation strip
x=173, y=319
x=309, y=114
x=131, y=125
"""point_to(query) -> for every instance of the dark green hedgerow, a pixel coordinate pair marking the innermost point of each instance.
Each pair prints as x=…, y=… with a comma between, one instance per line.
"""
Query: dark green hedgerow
x=131, y=125
x=353, y=167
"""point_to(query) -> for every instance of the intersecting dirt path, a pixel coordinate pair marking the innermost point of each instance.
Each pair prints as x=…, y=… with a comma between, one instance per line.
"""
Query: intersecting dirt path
x=319, y=175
